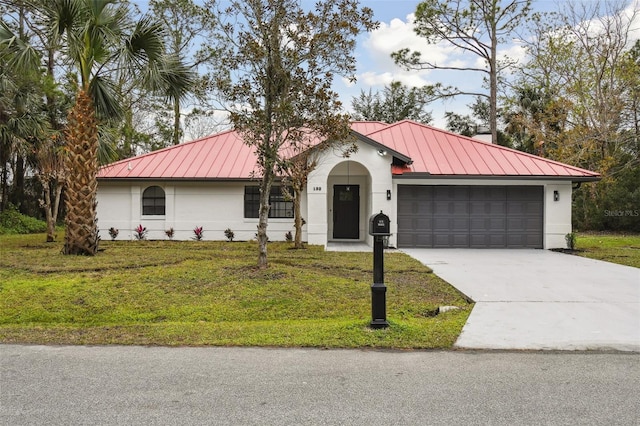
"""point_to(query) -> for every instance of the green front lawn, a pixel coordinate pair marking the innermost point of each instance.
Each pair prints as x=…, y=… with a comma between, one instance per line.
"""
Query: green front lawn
x=209, y=293
x=616, y=248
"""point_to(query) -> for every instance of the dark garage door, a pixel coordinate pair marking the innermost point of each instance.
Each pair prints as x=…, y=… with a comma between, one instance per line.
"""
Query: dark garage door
x=470, y=216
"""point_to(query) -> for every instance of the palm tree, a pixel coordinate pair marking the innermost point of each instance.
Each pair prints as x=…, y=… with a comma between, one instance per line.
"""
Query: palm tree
x=21, y=120
x=100, y=41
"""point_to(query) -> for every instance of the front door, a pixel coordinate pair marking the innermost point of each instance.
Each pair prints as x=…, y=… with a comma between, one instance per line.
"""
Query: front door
x=346, y=212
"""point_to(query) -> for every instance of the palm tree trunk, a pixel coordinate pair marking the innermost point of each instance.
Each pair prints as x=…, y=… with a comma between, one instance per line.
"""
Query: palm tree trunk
x=81, y=235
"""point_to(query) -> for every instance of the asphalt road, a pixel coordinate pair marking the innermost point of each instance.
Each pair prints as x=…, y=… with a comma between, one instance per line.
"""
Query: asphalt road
x=62, y=385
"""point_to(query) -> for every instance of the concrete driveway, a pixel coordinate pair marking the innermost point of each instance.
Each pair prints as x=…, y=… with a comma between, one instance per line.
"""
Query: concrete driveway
x=539, y=299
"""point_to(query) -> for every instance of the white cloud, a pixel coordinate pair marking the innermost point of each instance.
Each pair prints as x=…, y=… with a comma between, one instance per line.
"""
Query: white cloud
x=399, y=34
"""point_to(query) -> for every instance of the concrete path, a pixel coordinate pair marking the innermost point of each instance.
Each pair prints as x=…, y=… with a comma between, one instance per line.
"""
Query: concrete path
x=539, y=299
x=116, y=385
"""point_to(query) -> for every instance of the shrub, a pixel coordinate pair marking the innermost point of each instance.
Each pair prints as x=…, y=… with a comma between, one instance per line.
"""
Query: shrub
x=229, y=234
x=288, y=236
x=140, y=233
x=169, y=232
x=13, y=222
x=198, y=233
x=113, y=233
x=570, y=238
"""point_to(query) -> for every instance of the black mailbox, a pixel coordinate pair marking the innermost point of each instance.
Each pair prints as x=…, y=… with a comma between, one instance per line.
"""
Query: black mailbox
x=379, y=225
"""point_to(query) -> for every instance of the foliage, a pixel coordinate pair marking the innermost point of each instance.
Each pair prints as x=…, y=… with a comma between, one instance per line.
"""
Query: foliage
x=22, y=118
x=609, y=205
x=98, y=44
x=477, y=27
x=570, y=239
x=477, y=123
x=277, y=64
x=210, y=293
x=229, y=234
x=577, y=101
x=288, y=236
x=186, y=25
x=169, y=233
x=198, y=233
x=140, y=232
x=396, y=103
x=13, y=222
x=113, y=233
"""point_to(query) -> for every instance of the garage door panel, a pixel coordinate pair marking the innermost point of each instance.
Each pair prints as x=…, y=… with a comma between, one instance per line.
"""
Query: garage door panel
x=450, y=207
x=524, y=208
x=451, y=224
x=417, y=224
x=488, y=193
x=487, y=207
x=492, y=240
x=450, y=240
x=415, y=240
x=523, y=240
x=488, y=223
x=470, y=216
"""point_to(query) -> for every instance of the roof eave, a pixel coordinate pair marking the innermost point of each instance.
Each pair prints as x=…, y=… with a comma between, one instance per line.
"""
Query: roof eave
x=377, y=145
x=176, y=179
x=423, y=175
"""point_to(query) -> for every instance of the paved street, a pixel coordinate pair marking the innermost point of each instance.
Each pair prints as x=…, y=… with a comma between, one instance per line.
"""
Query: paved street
x=61, y=385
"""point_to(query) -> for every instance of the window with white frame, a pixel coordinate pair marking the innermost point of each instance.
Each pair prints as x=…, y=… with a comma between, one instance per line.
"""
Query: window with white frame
x=153, y=201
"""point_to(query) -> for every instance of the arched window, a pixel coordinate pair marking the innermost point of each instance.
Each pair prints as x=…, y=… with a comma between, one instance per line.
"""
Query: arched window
x=153, y=201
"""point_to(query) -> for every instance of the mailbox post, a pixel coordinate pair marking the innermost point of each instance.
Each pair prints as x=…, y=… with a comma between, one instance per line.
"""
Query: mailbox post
x=379, y=228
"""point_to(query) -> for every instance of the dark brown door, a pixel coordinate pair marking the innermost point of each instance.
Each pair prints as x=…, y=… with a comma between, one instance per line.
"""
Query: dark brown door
x=346, y=212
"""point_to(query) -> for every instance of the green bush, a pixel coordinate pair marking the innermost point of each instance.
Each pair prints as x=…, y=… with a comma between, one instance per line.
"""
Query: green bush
x=570, y=238
x=13, y=222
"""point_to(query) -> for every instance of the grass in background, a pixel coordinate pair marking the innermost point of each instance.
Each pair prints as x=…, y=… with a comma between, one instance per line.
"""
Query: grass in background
x=210, y=293
x=616, y=248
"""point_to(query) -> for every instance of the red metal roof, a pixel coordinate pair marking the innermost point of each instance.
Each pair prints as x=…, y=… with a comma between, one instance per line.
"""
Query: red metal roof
x=220, y=156
x=432, y=151
x=438, y=152
x=365, y=127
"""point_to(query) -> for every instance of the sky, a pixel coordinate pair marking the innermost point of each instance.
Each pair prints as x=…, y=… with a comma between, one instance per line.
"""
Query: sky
x=376, y=69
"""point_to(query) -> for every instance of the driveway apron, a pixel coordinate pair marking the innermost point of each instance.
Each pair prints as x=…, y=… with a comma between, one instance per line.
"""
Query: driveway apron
x=541, y=300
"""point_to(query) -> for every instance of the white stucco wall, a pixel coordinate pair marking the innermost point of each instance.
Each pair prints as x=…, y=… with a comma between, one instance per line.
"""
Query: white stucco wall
x=215, y=206
x=557, y=214
x=365, y=168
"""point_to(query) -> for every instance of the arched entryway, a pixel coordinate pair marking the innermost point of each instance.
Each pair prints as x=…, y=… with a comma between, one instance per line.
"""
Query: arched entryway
x=348, y=201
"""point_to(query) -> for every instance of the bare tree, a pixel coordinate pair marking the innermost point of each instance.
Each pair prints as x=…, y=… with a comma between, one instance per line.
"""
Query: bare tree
x=474, y=26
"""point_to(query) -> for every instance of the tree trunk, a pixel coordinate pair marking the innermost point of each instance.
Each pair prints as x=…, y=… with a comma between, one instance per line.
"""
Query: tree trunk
x=493, y=83
x=263, y=218
x=17, y=194
x=4, y=186
x=81, y=236
x=176, y=122
x=51, y=226
x=297, y=195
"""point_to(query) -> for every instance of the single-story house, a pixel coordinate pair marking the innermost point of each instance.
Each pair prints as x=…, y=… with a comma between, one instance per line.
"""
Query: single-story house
x=438, y=188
